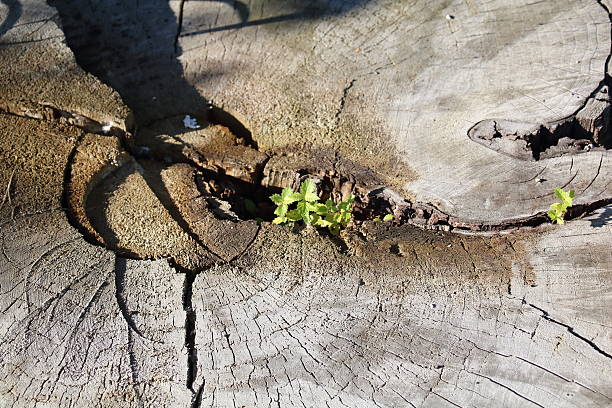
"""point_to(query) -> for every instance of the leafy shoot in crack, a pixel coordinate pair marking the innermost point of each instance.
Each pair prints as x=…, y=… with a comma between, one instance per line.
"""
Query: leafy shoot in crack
x=558, y=210
x=310, y=210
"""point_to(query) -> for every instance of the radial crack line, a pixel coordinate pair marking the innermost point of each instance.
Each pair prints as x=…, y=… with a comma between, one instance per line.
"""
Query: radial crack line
x=570, y=329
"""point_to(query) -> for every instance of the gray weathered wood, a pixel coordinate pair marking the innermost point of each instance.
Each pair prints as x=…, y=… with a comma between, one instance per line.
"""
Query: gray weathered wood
x=392, y=84
x=384, y=316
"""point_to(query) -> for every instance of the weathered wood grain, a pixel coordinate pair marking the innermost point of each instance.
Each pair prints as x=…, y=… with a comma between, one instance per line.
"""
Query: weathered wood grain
x=397, y=82
x=446, y=321
x=386, y=316
x=437, y=318
x=81, y=327
x=39, y=76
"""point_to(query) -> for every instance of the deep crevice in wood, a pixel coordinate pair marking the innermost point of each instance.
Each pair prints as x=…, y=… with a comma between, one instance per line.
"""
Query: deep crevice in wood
x=197, y=398
x=369, y=204
x=190, y=328
x=135, y=382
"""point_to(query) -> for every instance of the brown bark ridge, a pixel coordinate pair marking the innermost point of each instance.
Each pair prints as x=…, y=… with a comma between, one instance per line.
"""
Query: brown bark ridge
x=128, y=277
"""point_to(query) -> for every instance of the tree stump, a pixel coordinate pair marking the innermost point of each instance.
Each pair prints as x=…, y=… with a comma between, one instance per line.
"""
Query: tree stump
x=130, y=275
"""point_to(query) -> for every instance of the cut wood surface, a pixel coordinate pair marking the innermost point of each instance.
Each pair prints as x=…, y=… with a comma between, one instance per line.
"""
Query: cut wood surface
x=39, y=77
x=386, y=82
x=125, y=282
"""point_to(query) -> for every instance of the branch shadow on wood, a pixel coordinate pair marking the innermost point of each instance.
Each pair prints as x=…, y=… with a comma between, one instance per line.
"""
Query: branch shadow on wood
x=603, y=219
x=130, y=46
x=14, y=12
x=286, y=11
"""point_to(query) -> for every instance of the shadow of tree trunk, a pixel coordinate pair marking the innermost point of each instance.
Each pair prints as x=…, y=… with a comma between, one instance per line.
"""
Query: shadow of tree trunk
x=130, y=46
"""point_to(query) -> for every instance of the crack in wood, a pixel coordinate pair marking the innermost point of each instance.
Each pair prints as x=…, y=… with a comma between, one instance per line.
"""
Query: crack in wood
x=507, y=388
x=588, y=128
x=423, y=215
x=190, y=330
x=345, y=92
x=179, y=27
x=7, y=193
x=596, y=175
x=560, y=376
x=570, y=329
x=440, y=221
x=134, y=368
x=197, y=398
x=120, y=268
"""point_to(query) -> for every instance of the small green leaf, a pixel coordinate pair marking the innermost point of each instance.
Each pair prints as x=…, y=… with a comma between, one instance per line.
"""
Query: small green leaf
x=277, y=199
x=307, y=218
x=281, y=210
x=345, y=218
x=308, y=191
x=314, y=219
x=279, y=220
x=556, y=213
x=321, y=209
x=377, y=219
x=304, y=208
x=566, y=197
x=330, y=206
x=321, y=222
x=294, y=215
x=388, y=217
x=559, y=208
x=287, y=195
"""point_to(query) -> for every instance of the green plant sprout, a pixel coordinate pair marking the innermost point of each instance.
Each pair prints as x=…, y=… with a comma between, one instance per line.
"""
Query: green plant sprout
x=310, y=210
x=557, y=210
x=386, y=218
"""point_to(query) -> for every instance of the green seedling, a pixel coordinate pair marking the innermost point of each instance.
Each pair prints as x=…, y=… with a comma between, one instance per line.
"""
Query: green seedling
x=310, y=210
x=557, y=210
x=386, y=218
